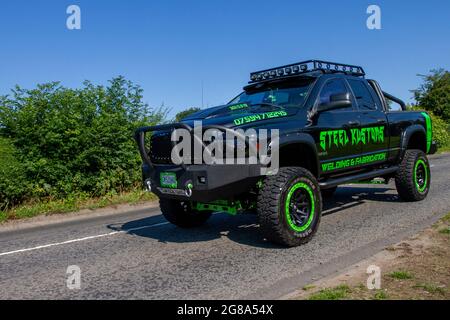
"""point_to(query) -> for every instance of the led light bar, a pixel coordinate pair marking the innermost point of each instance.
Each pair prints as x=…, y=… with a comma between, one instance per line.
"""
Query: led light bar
x=306, y=67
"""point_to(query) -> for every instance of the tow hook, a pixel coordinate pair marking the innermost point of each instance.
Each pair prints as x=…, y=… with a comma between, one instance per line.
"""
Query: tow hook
x=148, y=185
x=188, y=189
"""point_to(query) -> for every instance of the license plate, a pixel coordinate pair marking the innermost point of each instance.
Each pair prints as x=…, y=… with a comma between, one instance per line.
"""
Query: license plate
x=168, y=180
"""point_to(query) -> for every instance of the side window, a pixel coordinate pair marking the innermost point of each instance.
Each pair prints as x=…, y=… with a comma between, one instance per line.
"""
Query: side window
x=393, y=106
x=333, y=86
x=362, y=95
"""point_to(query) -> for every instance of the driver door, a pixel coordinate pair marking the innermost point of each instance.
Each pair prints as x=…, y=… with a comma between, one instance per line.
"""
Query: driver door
x=332, y=129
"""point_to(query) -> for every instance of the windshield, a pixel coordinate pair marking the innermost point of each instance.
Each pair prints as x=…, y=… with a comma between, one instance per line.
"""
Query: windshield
x=272, y=96
x=282, y=95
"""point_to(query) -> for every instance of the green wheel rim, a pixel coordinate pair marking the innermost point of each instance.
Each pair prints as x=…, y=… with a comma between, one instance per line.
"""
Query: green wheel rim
x=421, y=175
x=290, y=217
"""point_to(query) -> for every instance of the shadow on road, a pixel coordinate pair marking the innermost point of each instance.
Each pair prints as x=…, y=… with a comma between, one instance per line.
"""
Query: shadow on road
x=243, y=229
x=352, y=196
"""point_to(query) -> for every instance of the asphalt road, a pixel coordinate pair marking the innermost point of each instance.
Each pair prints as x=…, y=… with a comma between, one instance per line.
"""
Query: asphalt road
x=137, y=255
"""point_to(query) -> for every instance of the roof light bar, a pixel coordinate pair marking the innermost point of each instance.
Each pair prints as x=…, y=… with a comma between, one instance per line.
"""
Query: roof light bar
x=306, y=67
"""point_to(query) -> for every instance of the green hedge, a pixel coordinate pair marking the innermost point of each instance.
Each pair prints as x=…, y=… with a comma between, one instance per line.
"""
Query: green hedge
x=63, y=141
x=440, y=131
x=13, y=183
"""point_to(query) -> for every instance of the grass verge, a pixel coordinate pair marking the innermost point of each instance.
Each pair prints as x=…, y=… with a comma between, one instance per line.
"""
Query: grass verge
x=416, y=268
x=400, y=275
x=444, y=149
x=337, y=293
x=72, y=204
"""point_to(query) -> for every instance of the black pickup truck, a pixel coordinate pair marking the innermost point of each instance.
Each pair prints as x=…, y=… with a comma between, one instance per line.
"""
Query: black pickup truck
x=335, y=127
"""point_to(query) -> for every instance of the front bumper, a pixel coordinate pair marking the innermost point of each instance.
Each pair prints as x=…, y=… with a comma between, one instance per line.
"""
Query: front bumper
x=203, y=183
x=197, y=182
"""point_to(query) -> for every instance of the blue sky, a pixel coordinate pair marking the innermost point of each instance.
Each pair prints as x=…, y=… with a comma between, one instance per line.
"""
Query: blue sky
x=171, y=47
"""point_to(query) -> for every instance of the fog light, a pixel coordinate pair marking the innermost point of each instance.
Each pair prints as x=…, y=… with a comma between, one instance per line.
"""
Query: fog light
x=202, y=180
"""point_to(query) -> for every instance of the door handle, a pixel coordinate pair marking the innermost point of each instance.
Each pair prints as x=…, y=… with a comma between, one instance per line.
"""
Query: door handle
x=354, y=123
x=381, y=120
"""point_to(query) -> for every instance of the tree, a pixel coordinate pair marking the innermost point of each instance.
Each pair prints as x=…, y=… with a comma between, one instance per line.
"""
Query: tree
x=183, y=114
x=434, y=93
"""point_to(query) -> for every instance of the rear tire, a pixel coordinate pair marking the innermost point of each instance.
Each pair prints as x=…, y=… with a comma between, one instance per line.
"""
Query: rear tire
x=413, y=177
x=289, y=206
x=181, y=214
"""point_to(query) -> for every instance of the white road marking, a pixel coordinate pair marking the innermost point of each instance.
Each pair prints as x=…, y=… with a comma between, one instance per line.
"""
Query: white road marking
x=82, y=239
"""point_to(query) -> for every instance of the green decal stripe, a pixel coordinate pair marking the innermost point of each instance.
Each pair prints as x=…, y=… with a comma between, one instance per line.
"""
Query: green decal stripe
x=425, y=167
x=288, y=200
x=429, y=128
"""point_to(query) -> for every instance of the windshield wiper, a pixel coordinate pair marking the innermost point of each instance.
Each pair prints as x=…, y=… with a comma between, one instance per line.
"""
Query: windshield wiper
x=225, y=109
x=268, y=104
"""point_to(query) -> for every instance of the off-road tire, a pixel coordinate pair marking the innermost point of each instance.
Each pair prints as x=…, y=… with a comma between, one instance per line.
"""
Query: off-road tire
x=328, y=193
x=275, y=206
x=181, y=214
x=413, y=177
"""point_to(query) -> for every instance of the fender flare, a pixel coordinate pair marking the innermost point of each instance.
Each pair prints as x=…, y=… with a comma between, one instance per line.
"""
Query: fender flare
x=407, y=134
x=300, y=138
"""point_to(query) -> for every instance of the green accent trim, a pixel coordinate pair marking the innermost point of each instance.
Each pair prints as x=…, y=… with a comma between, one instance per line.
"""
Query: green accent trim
x=429, y=128
x=162, y=175
x=425, y=167
x=230, y=207
x=288, y=200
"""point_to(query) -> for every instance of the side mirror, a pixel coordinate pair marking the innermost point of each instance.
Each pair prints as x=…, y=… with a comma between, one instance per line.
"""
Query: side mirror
x=337, y=101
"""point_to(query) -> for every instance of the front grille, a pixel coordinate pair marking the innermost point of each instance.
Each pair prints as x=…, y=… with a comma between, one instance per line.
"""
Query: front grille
x=160, y=148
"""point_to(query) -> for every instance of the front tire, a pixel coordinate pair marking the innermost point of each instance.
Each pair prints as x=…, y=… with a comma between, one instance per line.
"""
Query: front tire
x=413, y=178
x=290, y=206
x=181, y=214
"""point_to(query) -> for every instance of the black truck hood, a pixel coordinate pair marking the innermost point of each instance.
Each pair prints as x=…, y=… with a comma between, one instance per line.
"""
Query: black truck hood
x=245, y=116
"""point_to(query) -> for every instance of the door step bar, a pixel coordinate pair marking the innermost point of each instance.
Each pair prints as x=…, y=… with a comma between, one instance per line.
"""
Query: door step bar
x=357, y=177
